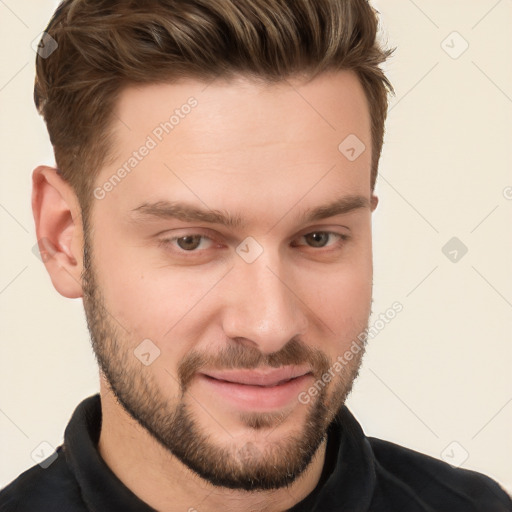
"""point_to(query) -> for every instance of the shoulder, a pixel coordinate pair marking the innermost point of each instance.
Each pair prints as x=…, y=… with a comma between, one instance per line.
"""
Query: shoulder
x=41, y=489
x=432, y=483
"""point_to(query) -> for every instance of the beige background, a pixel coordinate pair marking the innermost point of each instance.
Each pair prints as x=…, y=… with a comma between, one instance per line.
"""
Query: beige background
x=438, y=373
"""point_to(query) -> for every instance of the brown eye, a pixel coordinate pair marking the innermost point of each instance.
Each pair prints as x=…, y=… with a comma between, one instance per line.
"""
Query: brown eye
x=189, y=243
x=192, y=244
x=323, y=239
x=317, y=239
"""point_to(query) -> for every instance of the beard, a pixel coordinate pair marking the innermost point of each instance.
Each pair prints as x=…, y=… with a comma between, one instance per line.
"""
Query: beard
x=171, y=421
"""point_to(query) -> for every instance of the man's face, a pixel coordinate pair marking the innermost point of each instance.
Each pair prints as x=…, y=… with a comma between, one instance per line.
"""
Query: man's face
x=241, y=323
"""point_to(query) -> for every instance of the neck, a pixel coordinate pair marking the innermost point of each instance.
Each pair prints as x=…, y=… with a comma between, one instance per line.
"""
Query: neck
x=162, y=481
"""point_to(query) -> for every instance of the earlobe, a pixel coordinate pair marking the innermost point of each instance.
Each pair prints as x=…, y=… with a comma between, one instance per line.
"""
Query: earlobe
x=58, y=223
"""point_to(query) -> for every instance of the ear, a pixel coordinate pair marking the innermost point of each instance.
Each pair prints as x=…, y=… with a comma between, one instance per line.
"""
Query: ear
x=58, y=220
x=374, y=202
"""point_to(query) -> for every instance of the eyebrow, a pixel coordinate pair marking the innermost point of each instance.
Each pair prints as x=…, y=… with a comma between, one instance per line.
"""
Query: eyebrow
x=187, y=212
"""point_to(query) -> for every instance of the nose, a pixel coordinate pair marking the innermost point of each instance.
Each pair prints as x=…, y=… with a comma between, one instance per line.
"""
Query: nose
x=262, y=308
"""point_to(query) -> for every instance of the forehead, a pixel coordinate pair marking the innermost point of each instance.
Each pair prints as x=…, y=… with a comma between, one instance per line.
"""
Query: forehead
x=239, y=137
x=247, y=109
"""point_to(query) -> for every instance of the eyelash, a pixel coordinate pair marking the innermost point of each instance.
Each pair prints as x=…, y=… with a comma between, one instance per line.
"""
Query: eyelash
x=168, y=242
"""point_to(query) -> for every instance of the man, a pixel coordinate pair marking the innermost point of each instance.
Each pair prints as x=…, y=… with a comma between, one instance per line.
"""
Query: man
x=212, y=201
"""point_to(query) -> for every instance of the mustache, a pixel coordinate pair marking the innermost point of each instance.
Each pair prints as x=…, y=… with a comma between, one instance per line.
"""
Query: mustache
x=295, y=352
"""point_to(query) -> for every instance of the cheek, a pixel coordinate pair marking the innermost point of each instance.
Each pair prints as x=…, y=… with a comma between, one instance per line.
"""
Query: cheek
x=150, y=301
x=149, y=304
x=344, y=306
x=343, y=292
x=135, y=297
x=342, y=301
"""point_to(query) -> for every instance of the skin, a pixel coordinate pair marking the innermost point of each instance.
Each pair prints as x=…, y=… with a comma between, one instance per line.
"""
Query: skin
x=266, y=153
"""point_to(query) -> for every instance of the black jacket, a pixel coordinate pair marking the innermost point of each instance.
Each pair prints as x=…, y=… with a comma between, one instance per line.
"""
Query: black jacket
x=361, y=474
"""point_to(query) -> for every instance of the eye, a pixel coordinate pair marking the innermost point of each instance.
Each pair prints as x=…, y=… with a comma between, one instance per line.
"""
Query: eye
x=320, y=239
x=187, y=243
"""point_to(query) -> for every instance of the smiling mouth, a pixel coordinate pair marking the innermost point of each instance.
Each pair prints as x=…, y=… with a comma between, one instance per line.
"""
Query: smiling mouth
x=259, y=377
x=271, y=385
x=256, y=390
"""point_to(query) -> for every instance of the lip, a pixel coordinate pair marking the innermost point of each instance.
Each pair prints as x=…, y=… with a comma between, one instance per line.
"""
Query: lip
x=265, y=378
x=256, y=390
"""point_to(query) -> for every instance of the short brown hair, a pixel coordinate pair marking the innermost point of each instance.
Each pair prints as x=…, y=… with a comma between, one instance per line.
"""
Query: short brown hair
x=104, y=45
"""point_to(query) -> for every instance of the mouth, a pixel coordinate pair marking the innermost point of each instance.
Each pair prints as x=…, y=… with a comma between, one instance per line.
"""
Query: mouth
x=264, y=378
x=257, y=390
